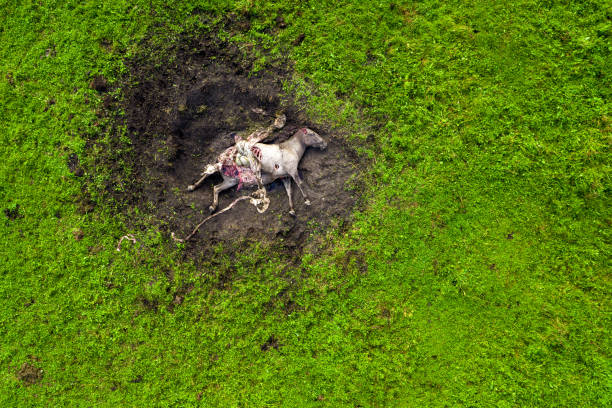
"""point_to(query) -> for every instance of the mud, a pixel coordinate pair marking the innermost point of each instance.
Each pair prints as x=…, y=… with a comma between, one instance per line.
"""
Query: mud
x=180, y=115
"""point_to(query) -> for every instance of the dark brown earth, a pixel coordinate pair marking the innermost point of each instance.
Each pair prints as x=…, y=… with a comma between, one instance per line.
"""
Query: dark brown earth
x=180, y=115
x=99, y=83
x=271, y=343
x=29, y=374
x=74, y=165
x=12, y=213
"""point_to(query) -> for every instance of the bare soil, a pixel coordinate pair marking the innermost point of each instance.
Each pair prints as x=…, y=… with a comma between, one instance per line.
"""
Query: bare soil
x=29, y=374
x=180, y=115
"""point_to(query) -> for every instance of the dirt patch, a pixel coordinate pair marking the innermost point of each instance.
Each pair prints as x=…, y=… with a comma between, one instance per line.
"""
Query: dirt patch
x=29, y=374
x=180, y=115
x=78, y=234
x=12, y=212
x=271, y=343
x=74, y=165
x=99, y=84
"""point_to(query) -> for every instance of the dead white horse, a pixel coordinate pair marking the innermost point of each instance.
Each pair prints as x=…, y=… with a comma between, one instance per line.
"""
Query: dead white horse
x=272, y=161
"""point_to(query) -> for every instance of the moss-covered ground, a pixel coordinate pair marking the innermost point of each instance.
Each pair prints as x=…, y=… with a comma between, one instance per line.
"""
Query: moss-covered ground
x=476, y=271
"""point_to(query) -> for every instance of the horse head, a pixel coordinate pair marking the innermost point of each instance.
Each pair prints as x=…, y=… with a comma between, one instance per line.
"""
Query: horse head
x=311, y=138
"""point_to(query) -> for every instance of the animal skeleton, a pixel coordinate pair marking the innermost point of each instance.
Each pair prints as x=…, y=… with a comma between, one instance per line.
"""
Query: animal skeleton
x=250, y=162
x=266, y=162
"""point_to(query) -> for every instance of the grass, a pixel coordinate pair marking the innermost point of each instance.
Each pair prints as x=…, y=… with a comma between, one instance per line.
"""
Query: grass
x=477, y=274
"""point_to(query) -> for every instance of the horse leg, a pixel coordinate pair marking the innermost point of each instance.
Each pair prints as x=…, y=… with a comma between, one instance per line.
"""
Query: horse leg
x=287, y=184
x=227, y=183
x=296, y=177
x=210, y=169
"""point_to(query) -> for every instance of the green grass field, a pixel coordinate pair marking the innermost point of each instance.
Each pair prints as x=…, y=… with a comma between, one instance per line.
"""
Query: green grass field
x=476, y=273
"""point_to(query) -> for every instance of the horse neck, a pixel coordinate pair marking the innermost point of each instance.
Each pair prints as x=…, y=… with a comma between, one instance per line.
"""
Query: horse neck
x=296, y=144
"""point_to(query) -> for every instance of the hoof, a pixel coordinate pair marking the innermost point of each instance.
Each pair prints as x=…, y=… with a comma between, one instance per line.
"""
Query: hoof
x=292, y=212
x=212, y=209
x=307, y=202
x=190, y=188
